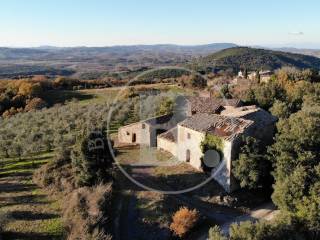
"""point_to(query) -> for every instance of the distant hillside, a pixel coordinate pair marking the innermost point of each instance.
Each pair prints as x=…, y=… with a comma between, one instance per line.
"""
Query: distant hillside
x=311, y=52
x=12, y=71
x=254, y=59
x=85, y=53
x=101, y=59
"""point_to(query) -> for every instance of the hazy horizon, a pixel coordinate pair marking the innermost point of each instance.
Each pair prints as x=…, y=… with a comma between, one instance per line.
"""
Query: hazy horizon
x=310, y=46
x=107, y=23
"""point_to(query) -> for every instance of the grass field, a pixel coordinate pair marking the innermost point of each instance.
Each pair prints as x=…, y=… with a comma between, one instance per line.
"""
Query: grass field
x=26, y=211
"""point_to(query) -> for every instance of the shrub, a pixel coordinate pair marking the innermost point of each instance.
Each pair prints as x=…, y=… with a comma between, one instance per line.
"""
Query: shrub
x=193, y=81
x=183, y=221
x=212, y=142
x=87, y=214
x=215, y=234
x=279, y=229
x=35, y=104
x=56, y=175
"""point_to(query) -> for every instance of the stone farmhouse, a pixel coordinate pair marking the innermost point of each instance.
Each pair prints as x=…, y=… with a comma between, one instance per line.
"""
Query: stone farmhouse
x=182, y=136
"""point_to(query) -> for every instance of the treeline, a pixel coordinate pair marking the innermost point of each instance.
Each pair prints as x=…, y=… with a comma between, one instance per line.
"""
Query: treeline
x=157, y=75
x=20, y=96
x=19, y=71
x=28, y=94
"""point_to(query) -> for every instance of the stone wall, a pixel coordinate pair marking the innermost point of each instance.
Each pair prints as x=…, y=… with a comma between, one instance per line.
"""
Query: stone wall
x=192, y=144
x=140, y=130
x=167, y=145
x=145, y=131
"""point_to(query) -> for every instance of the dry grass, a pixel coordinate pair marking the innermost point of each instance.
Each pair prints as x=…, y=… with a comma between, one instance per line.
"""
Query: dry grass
x=156, y=207
x=86, y=215
x=55, y=176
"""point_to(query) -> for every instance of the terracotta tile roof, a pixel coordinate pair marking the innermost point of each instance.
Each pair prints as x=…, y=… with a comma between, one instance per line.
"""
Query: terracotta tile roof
x=170, y=135
x=211, y=105
x=254, y=113
x=226, y=127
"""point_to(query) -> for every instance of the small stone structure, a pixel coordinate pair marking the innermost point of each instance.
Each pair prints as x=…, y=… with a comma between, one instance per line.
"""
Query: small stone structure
x=145, y=132
x=228, y=120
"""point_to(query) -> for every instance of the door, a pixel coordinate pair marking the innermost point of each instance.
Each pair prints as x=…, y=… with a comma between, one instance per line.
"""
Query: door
x=134, y=137
x=188, y=155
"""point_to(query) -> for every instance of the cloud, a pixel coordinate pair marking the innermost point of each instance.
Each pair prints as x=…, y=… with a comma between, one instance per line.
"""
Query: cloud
x=296, y=33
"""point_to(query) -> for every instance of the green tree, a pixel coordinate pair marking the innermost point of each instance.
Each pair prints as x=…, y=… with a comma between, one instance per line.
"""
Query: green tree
x=225, y=91
x=92, y=159
x=252, y=168
x=166, y=106
x=280, y=109
x=296, y=157
x=245, y=73
x=266, y=93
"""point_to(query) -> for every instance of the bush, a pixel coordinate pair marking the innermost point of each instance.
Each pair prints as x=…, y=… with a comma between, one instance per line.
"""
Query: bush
x=277, y=230
x=215, y=234
x=183, y=221
x=35, y=104
x=87, y=214
x=193, y=81
x=56, y=175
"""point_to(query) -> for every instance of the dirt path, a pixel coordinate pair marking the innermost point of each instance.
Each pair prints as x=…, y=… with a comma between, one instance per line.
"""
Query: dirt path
x=265, y=211
x=26, y=211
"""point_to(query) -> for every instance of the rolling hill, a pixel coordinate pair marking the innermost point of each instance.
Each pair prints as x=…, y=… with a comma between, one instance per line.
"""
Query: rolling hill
x=85, y=53
x=258, y=59
x=27, y=61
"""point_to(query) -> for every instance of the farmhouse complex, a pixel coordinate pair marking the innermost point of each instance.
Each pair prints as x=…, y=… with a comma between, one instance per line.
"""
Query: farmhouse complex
x=182, y=134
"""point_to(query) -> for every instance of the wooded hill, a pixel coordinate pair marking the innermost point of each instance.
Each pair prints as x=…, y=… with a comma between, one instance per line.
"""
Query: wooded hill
x=258, y=59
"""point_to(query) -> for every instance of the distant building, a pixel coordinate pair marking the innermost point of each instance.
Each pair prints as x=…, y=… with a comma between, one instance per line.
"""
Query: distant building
x=264, y=75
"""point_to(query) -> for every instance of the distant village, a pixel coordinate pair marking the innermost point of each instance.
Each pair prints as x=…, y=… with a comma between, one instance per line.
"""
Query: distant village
x=261, y=76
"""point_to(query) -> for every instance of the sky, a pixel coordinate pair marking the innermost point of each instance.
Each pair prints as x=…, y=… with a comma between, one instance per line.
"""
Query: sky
x=31, y=23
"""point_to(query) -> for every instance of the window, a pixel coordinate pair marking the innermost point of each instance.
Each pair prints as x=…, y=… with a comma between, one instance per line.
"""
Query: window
x=188, y=135
x=128, y=133
x=143, y=126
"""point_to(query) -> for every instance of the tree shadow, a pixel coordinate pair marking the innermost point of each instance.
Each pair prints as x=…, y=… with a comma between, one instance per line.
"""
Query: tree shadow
x=16, y=187
x=29, y=166
x=175, y=182
x=9, y=235
x=31, y=216
x=24, y=199
x=61, y=96
x=16, y=174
